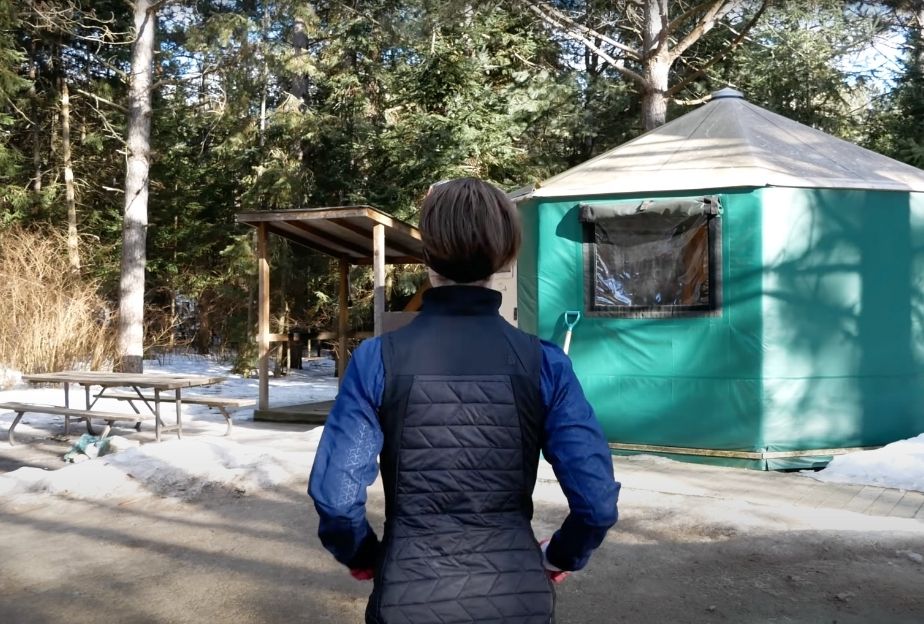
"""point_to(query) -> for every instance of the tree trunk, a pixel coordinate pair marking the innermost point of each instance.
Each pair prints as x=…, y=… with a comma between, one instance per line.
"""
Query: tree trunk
x=174, y=291
x=36, y=134
x=70, y=200
x=656, y=66
x=135, y=218
x=918, y=36
x=300, y=43
x=654, y=99
x=264, y=71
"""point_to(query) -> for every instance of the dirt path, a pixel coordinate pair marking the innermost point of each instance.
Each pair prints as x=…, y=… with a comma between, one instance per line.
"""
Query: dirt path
x=255, y=558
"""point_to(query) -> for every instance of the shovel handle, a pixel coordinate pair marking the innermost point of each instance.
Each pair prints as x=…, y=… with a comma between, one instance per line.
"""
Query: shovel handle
x=571, y=319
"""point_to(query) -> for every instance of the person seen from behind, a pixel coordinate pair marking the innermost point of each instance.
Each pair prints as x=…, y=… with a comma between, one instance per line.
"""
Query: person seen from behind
x=457, y=406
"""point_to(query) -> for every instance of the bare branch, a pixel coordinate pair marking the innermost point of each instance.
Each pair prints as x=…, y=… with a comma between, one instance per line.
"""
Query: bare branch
x=102, y=99
x=576, y=36
x=207, y=71
x=528, y=63
x=12, y=105
x=678, y=21
x=703, y=26
x=122, y=74
x=68, y=18
x=725, y=51
x=111, y=131
x=695, y=102
x=541, y=8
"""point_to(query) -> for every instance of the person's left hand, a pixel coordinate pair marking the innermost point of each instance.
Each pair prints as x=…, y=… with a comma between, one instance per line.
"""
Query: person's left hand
x=556, y=575
x=362, y=574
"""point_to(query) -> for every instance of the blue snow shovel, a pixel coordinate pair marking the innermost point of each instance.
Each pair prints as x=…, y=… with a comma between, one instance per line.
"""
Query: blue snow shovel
x=571, y=319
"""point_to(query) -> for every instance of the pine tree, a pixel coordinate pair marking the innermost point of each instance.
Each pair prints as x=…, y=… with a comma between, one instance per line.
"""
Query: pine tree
x=647, y=42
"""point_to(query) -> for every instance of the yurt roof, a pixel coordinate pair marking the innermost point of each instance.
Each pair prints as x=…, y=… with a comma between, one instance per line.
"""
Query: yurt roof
x=728, y=143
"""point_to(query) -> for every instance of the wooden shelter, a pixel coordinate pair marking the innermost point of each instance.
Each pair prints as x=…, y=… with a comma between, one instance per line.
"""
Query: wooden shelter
x=354, y=235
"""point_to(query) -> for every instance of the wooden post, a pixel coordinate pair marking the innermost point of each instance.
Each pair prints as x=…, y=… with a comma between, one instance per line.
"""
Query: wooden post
x=378, y=264
x=263, y=314
x=343, y=322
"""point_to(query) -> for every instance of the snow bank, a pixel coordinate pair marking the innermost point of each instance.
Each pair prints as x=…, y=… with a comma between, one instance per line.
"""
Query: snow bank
x=260, y=457
x=897, y=465
x=175, y=468
x=256, y=458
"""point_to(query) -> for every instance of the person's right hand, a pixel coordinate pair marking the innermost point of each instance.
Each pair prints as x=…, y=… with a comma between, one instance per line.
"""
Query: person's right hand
x=556, y=575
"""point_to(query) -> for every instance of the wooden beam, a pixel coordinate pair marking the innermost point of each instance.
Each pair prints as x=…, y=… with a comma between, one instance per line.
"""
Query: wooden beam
x=329, y=250
x=402, y=249
x=332, y=335
x=754, y=455
x=346, y=246
x=388, y=260
x=678, y=450
x=343, y=320
x=385, y=219
x=342, y=212
x=253, y=218
x=349, y=225
x=378, y=272
x=305, y=241
x=263, y=314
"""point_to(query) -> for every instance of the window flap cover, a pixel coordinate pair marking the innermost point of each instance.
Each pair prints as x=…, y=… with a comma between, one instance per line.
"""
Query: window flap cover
x=681, y=207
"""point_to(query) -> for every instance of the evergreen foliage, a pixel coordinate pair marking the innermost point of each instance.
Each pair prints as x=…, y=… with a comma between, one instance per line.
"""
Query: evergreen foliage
x=797, y=66
x=275, y=104
x=898, y=120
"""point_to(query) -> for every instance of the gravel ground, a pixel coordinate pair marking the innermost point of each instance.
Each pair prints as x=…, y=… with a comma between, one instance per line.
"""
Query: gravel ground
x=679, y=554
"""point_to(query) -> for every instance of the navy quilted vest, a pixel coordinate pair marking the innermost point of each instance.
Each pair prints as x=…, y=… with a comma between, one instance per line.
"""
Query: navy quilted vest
x=462, y=416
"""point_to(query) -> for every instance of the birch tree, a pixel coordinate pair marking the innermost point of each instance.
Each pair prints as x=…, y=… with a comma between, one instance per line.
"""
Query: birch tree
x=650, y=40
x=135, y=216
x=70, y=199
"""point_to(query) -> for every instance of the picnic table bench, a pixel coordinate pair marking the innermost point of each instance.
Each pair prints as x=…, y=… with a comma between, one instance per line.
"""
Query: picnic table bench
x=158, y=382
x=222, y=404
x=69, y=412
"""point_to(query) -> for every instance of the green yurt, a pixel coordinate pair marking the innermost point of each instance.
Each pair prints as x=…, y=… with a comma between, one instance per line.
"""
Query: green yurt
x=751, y=290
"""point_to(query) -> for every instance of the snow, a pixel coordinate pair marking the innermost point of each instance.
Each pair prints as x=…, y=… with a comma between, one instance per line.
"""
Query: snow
x=898, y=465
x=263, y=456
x=254, y=458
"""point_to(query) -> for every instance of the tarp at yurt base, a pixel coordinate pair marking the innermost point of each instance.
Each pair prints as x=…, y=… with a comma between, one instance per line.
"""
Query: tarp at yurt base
x=751, y=289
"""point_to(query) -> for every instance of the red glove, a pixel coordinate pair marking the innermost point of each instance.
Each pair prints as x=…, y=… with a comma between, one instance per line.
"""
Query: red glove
x=556, y=575
x=363, y=574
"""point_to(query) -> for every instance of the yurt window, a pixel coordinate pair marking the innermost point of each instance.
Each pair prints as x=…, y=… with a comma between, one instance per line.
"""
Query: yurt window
x=652, y=258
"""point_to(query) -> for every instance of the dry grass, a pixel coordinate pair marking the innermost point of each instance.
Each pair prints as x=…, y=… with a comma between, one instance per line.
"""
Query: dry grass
x=50, y=318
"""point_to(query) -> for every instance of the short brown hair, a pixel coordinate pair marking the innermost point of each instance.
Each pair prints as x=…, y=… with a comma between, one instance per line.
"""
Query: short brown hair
x=470, y=230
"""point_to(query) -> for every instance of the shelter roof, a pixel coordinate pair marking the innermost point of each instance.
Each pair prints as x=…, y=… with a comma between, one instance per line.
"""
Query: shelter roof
x=342, y=232
x=727, y=143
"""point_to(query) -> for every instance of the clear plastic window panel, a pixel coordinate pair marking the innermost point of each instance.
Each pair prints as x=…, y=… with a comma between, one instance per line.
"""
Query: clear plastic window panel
x=650, y=260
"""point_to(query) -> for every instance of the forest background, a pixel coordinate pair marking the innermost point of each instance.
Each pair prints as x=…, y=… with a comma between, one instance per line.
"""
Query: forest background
x=268, y=105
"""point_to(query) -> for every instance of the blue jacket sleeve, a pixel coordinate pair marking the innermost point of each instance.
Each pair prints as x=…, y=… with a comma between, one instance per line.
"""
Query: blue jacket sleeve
x=576, y=447
x=345, y=463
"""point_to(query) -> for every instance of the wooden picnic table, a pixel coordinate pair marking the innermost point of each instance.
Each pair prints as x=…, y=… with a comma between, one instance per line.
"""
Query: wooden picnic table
x=158, y=382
